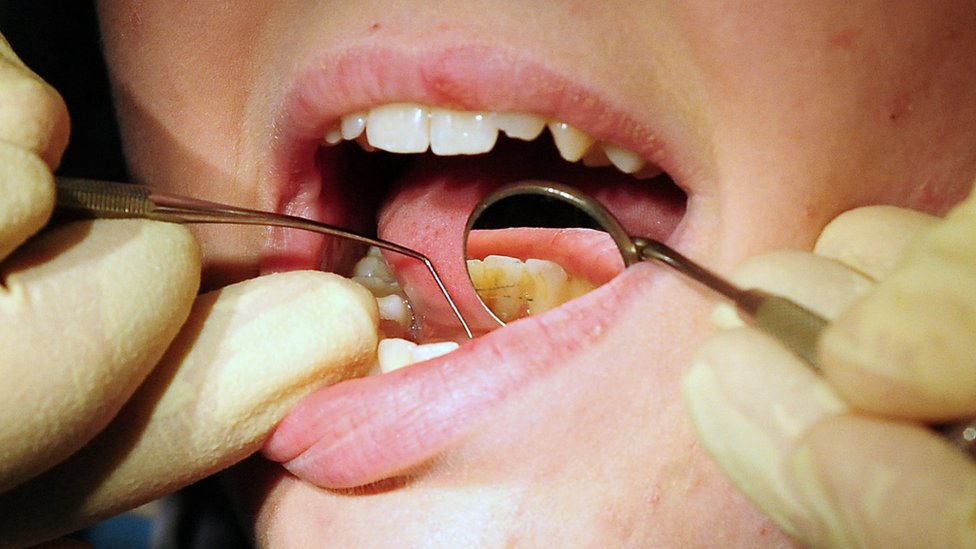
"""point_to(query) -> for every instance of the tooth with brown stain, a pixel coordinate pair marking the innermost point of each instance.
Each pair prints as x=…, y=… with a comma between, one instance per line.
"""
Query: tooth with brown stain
x=513, y=289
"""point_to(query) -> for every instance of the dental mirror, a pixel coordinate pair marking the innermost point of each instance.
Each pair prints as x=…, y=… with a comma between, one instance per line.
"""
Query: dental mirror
x=519, y=238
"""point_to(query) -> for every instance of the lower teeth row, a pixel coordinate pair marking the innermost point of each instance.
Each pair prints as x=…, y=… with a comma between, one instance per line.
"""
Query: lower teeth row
x=396, y=317
x=513, y=289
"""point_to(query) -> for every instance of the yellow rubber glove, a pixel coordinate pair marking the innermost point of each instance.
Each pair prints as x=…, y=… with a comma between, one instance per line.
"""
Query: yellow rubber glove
x=119, y=384
x=844, y=460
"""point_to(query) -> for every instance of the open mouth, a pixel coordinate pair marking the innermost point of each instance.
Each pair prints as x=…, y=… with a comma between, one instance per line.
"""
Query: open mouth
x=412, y=172
x=469, y=153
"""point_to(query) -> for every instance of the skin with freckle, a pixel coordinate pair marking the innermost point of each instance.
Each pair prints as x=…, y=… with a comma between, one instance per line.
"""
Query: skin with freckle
x=772, y=117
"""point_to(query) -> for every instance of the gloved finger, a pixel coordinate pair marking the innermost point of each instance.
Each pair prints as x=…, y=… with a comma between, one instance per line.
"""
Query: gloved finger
x=751, y=401
x=822, y=285
x=85, y=312
x=32, y=114
x=908, y=348
x=26, y=196
x=872, y=238
x=749, y=397
x=247, y=355
x=828, y=476
x=883, y=484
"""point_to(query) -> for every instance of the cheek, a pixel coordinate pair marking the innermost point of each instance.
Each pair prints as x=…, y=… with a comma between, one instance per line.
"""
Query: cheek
x=817, y=109
x=181, y=88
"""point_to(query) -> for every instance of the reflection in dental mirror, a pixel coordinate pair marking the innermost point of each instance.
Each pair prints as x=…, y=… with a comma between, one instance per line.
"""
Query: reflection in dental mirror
x=532, y=246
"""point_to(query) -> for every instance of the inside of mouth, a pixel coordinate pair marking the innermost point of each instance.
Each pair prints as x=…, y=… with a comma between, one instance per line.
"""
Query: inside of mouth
x=526, y=271
x=651, y=207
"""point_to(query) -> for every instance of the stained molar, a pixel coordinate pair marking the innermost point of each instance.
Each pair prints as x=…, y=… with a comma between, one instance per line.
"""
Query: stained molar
x=512, y=288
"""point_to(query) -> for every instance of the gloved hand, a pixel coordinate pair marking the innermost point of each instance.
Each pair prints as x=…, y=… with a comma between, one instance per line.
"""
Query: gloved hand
x=119, y=384
x=845, y=460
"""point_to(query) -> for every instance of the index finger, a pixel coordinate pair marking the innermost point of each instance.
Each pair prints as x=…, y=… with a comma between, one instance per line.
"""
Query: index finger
x=872, y=238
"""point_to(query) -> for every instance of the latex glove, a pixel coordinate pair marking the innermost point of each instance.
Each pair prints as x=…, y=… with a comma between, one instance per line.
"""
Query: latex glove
x=119, y=384
x=843, y=460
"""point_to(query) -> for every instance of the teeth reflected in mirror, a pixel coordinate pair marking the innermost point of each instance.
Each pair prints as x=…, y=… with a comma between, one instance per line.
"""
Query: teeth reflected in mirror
x=530, y=247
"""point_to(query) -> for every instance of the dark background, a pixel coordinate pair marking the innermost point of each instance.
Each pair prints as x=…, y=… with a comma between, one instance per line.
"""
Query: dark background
x=58, y=39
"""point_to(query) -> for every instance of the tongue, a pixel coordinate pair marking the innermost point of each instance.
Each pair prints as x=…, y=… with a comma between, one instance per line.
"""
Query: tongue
x=428, y=208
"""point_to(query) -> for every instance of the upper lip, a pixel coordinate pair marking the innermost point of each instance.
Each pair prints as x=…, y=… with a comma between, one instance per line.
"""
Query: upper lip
x=469, y=78
x=464, y=77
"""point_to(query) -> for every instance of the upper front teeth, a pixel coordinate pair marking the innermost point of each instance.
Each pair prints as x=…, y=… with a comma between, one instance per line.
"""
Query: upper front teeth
x=412, y=128
x=571, y=142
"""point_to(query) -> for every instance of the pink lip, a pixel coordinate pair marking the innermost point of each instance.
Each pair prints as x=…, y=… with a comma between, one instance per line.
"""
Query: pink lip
x=365, y=430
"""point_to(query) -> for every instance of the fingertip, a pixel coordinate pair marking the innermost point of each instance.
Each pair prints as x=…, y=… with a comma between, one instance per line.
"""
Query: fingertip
x=33, y=115
x=820, y=284
x=872, y=238
x=88, y=310
x=907, y=348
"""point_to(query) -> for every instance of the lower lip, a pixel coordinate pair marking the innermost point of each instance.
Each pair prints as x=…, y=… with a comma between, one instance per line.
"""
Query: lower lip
x=366, y=430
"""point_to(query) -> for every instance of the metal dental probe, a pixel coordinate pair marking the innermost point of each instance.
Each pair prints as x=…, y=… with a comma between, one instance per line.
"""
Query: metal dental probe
x=104, y=199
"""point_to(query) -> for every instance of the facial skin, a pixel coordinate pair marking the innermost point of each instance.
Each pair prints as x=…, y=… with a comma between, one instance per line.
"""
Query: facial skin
x=773, y=117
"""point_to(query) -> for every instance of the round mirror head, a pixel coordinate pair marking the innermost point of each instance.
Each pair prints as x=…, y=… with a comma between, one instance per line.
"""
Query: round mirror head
x=533, y=245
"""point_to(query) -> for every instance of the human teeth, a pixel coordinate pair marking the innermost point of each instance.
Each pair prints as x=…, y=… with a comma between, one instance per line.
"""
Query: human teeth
x=372, y=272
x=394, y=308
x=334, y=135
x=526, y=127
x=353, y=125
x=648, y=171
x=399, y=128
x=458, y=132
x=364, y=143
x=413, y=128
x=433, y=350
x=550, y=294
x=395, y=353
x=512, y=289
x=625, y=161
x=498, y=280
x=571, y=142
